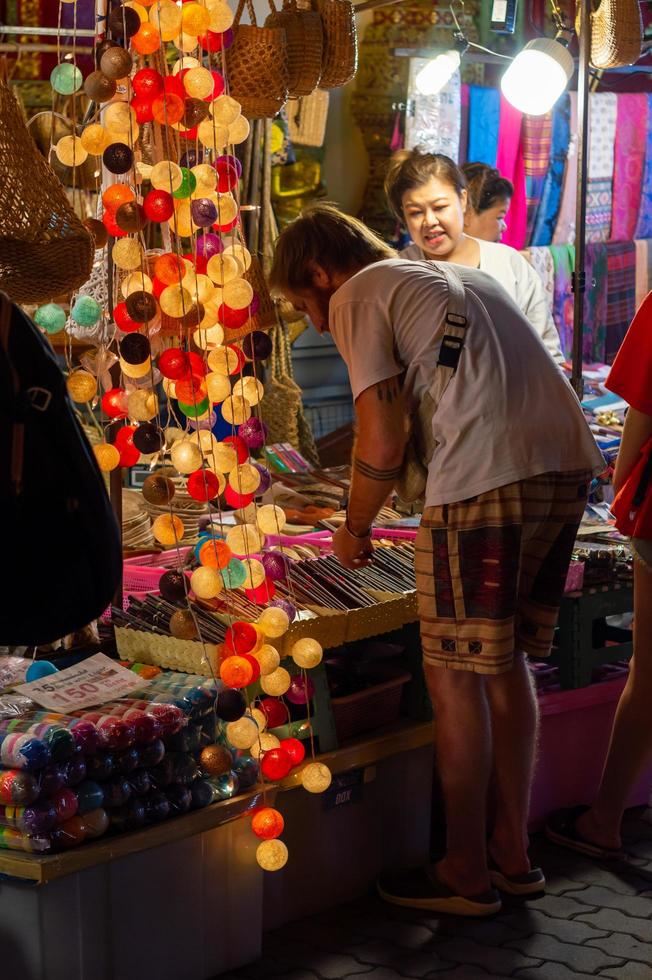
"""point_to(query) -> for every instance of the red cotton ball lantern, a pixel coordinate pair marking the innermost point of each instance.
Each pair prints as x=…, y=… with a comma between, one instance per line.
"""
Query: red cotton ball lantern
x=158, y=205
x=173, y=85
x=262, y=594
x=232, y=319
x=227, y=177
x=236, y=672
x=197, y=366
x=235, y=499
x=190, y=390
x=122, y=319
x=267, y=823
x=275, y=712
x=114, y=403
x=229, y=226
x=255, y=666
x=173, y=364
x=147, y=84
x=168, y=109
x=275, y=764
x=143, y=109
x=218, y=86
x=109, y=222
x=203, y=485
x=295, y=749
x=240, y=447
x=241, y=637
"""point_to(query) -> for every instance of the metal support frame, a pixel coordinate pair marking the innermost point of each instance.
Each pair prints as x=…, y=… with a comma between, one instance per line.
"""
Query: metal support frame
x=579, y=273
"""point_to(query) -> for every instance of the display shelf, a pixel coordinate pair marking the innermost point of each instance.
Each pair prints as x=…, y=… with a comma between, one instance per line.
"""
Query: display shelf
x=401, y=737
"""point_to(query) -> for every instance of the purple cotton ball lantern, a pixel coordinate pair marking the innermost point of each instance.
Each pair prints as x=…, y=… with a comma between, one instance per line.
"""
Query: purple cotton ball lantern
x=257, y=346
x=265, y=479
x=203, y=423
x=276, y=565
x=301, y=690
x=253, y=433
x=286, y=606
x=231, y=161
x=204, y=212
x=209, y=245
x=191, y=158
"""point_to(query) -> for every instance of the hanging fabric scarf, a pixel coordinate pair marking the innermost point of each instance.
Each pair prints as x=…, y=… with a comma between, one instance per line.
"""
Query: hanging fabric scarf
x=642, y=270
x=563, y=257
x=629, y=163
x=565, y=229
x=644, y=223
x=595, y=304
x=484, y=118
x=464, y=124
x=537, y=139
x=621, y=294
x=602, y=136
x=540, y=258
x=509, y=162
x=546, y=218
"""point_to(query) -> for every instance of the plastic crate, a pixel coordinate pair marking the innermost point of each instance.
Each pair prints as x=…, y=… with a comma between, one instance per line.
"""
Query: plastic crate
x=375, y=707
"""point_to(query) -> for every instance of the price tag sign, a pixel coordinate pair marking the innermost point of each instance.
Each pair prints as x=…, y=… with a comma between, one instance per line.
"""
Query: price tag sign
x=93, y=681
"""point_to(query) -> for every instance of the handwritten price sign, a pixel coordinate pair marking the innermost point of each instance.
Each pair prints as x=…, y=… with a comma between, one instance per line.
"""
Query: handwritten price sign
x=93, y=681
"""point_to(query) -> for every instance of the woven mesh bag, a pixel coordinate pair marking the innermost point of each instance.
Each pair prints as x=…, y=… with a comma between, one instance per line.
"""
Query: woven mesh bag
x=340, y=43
x=307, y=119
x=280, y=403
x=616, y=33
x=257, y=66
x=45, y=250
x=305, y=45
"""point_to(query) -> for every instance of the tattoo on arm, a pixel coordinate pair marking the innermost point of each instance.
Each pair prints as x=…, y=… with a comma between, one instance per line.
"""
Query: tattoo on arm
x=372, y=473
x=388, y=391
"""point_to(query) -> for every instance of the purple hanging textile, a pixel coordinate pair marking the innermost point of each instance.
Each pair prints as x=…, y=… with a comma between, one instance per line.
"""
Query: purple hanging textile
x=594, y=335
x=631, y=137
x=644, y=223
x=563, y=257
x=621, y=294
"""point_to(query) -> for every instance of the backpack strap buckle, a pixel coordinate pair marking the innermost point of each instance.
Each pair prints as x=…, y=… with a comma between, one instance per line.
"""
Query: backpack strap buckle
x=450, y=351
x=39, y=398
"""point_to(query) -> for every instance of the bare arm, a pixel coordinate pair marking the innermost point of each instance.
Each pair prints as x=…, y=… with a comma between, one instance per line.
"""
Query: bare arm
x=377, y=458
x=637, y=431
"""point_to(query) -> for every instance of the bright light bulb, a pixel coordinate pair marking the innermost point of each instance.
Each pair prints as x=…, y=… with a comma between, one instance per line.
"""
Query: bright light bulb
x=537, y=76
x=437, y=72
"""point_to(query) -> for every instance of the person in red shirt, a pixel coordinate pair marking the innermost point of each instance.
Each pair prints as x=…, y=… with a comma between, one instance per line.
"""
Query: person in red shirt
x=595, y=829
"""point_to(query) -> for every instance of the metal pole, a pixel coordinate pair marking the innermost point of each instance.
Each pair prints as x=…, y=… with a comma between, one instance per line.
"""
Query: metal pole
x=47, y=31
x=579, y=275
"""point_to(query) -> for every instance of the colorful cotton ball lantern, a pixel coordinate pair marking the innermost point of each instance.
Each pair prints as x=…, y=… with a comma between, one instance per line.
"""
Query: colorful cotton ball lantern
x=257, y=346
x=170, y=269
x=239, y=131
x=215, y=760
x=124, y=22
x=276, y=565
x=215, y=554
x=266, y=742
x=242, y=733
x=186, y=456
x=143, y=405
x=301, y=690
x=66, y=78
x=107, y=456
x=118, y=158
x=166, y=176
x=204, y=212
x=232, y=319
x=276, y=683
x=158, y=489
x=244, y=539
x=143, y=110
x=147, y=40
x=136, y=282
x=135, y=348
x=316, y=777
x=206, y=583
x=117, y=194
x=99, y=88
x=190, y=390
x=203, y=485
x=250, y=389
x=275, y=711
x=82, y=386
x=307, y=653
x=116, y=63
x=222, y=269
x=267, y=823
x=131, y=217
x=234, y=574
x=174, y=364
x=238, y=294
x=166, y=18
x=253, y=432
x=127, y=254
x=272, y=855
x=218, y=387
x=86, y=311
x=147, y=83
x=114, y=403
x=271, y=519
x=268, y=658
x=148, y=438
x=237, y=500
x=223, y=360
x=168, y=109
x=244, y=479
x=241, y=637
x=236, y=672
x=295, y=749
x=205, y=177
x=207, y=246
x=119, y=117
x=50, y=318
x=265, y=479
x=182, y=624
x=173, y=585
x=235, y=410
x=213, y=41
x=70, y=151
x=98, y=230
x=175, y=301
x=194, y=112
x=198, y=83
x=262, y=593
x=274, y=622
x=141, y=306
x=286, y=606
x=276, y=764
x=168, y=529
x=158, y=205
x=224, y=457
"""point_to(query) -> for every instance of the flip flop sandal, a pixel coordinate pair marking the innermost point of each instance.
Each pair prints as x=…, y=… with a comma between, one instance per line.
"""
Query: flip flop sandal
x=561, y=829
x=531, y=883
x=420, y=889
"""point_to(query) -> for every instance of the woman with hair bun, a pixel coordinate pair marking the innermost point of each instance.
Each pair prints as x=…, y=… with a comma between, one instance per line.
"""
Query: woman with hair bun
x=430, y=194
x=490, y=195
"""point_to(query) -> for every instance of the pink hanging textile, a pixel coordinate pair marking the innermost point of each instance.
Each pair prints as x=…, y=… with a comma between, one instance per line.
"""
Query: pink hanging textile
x=565, y=230
x=510, y=164
x=631, y=139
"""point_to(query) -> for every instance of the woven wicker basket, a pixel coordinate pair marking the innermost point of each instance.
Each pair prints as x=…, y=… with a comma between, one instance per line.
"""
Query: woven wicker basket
x=305, y=46
x=265, y=316
x=340, y=43
x=307, y=119
x=44, y=248
x=280, y=403
x=616, y=33
x=257, y=66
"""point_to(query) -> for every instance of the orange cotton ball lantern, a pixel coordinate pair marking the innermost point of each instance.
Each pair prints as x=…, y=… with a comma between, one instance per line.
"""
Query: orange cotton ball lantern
x=194, y=19
x=147, y=40
x=168, y=529
x=267, y=823
x=215, y=554
x=236, y=672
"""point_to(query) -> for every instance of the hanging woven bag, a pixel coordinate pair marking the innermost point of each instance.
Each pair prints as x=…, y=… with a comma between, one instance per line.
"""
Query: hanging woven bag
x=616, y=33
x=280, y=403
x=305, y=45
x=257, y=66
x=45, y=250
x=307, y=119
x=340, y=42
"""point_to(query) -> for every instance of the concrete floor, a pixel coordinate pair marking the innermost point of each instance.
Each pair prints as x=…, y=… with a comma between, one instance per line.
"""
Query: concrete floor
x=595, y=920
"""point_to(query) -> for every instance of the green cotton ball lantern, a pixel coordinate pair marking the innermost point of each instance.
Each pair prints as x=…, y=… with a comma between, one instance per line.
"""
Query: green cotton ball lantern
x=187, y=186
x=86, y=311
x=50, y=318
x=66, y=78
x=195, y=411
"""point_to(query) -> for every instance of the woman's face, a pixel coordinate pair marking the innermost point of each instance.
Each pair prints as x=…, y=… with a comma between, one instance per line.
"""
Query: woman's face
x=434, y=216
x=490, y=224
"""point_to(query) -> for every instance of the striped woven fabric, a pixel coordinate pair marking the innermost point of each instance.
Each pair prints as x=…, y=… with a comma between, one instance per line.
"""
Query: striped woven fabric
x=644, y=223
x=621, y=294
x=602, y=137
x=629, y=163
x=536, y=139
x=548, y=210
